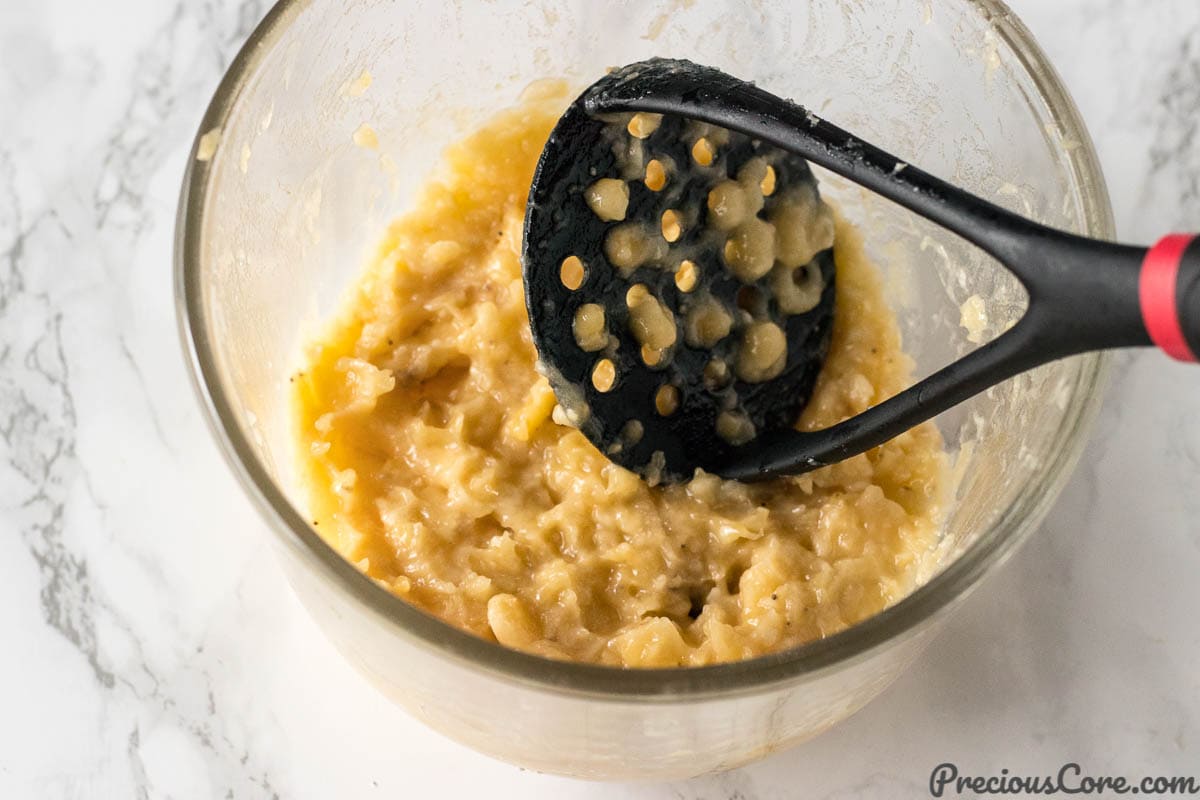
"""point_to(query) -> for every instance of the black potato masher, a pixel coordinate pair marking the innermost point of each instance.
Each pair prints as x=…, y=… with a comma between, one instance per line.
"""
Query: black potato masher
x=675, y=337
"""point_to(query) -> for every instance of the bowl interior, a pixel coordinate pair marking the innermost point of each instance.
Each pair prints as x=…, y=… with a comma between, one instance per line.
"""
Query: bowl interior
x=290, y=207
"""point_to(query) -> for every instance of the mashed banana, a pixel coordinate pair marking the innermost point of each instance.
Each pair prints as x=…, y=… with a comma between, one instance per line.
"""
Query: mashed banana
x=434, y=462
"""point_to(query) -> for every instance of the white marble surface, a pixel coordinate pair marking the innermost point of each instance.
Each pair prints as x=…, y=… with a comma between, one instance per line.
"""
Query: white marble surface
x=147, y=652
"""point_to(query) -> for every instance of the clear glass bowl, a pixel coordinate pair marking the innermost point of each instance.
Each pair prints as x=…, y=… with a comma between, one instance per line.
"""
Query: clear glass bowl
x=276, y=221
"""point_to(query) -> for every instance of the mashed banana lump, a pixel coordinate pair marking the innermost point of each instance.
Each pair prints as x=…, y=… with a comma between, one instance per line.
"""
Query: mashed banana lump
x=437, y=460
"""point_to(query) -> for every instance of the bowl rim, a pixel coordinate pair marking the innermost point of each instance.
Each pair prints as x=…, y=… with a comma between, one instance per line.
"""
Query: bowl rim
x=903, y=619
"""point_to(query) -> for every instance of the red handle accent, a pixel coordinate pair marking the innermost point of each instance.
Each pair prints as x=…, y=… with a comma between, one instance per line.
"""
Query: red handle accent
x=1157, y=295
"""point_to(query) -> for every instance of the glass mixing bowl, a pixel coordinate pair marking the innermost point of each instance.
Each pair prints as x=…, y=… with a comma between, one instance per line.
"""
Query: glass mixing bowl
x=280, y=208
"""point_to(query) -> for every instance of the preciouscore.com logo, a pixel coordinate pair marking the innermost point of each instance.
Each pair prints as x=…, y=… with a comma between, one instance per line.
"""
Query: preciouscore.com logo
x=946, y=781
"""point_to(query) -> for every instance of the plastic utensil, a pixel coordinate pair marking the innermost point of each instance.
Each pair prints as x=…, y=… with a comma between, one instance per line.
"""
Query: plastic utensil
x=1084, y=294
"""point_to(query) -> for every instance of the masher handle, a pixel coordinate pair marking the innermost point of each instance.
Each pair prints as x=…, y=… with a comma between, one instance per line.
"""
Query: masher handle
x=1084, y=294
x=1169, y=295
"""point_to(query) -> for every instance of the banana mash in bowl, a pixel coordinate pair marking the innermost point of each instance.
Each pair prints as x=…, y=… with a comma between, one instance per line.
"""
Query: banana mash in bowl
x=439, y=461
